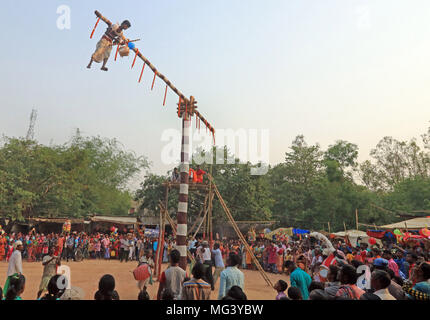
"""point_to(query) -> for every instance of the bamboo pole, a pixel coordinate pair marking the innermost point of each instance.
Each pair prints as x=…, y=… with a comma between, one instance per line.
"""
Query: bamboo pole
x=198, y=228
x=210, y=210
x=173, y=225
x=329, y=227
x=356, y=218
x=157, y=73
x=199, y=216
x=239, y=233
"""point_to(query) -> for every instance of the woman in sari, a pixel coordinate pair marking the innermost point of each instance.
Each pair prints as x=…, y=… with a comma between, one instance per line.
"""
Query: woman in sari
x=2, y=247
x=280, y=259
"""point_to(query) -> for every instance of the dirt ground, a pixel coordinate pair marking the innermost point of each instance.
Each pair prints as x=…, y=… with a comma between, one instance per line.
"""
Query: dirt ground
x=86, y=275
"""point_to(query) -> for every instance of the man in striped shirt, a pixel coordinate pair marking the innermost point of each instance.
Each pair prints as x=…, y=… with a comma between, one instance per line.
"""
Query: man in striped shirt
x=112, y=36
x=196, y=288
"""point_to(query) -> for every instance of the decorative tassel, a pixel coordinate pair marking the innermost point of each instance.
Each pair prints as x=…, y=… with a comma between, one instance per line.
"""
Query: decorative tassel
x=141, y=72
x=117, y=49
x=135, y=56
x=92, y=33
x=165, y=94
x=179, y=107
x=153, y=81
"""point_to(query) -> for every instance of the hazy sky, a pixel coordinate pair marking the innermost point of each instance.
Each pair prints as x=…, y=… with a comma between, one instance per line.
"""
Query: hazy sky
x=329, y=69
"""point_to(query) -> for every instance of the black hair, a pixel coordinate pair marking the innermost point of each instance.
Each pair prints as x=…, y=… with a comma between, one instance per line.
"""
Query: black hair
x=390, y=273
x=382, y=277
x=318, y=294
x=167, y=294
x=234, y=259
x=369, y=296
x=356, y=263
x=106, y=288
x=237, y=293
x=282, y=285
x=143, y=295
x=425, y=269
x=294, y=293
x=54, y=291
x=315, y=285
x=198, y=270
x=284, y=298
x=228, y=298
x=288, y=263
x=387, y=252
x=413, y=255
x=216, y=245
x=16, y=284
x=333, y=269
x=348, y=274
x=175, y=256
x=126, y=23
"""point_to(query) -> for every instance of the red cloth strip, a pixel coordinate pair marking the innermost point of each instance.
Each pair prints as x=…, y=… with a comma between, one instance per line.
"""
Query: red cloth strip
x=92, y=33
x=135, y=56
x=116, y=53
x=141, y=72
x=153, y=81
x=165, y=94
x=179, y=107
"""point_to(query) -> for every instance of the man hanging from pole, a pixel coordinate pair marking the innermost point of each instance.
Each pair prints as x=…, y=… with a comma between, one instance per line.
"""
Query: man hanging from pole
x=112, y=36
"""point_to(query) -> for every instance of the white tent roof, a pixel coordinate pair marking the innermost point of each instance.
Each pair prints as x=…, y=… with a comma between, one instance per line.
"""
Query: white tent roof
x=352, y=233
x=114, y=219
x=416, y=223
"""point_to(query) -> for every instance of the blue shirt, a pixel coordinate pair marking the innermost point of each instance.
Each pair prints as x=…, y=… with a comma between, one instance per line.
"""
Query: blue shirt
x=218, y=258
x=301, y=280
x=230, y=277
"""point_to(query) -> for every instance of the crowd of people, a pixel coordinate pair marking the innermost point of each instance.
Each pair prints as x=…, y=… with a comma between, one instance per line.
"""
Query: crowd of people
x=318, y=269
x=77, y=246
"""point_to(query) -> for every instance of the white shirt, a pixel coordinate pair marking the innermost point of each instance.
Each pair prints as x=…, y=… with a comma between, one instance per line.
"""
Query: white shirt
x=15, y=263
x=384, y=294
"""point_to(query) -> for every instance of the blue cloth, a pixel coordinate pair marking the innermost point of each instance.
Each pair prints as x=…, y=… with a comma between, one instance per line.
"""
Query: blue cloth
x=423, y=286
x=219, y=263
x=300, y=279
x=403, y=266
x=380, y=262
x=230, y=277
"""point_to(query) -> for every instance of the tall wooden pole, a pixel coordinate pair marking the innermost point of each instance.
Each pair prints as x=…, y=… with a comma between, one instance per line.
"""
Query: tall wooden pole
x=329, y=227
x=356, y=218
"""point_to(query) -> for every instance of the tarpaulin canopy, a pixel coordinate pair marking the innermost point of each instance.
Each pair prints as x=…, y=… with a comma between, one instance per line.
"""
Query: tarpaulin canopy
x=300, y=231
x=353, y=235
x=279, y=232
x=415, y=223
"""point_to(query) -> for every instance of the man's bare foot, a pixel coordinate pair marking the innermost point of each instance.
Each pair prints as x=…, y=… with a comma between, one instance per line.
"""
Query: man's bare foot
x=104, y=68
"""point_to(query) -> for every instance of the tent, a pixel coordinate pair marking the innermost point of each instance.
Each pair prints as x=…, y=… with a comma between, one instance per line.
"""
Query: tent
x=353, y=235
x=280, y=232
x=414, y=224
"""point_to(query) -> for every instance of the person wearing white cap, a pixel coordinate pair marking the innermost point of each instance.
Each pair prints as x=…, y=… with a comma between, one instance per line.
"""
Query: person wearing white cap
x=15, y=263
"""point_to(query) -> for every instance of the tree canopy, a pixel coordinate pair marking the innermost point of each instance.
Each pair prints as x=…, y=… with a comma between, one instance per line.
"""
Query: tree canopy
x=87, y=175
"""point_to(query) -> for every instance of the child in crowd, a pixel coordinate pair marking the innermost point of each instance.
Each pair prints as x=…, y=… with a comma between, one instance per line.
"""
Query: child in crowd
x=280, y=286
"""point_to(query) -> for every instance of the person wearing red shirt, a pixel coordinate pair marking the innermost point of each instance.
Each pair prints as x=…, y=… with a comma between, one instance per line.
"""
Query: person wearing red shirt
x=193, y=175
x=200, y=173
